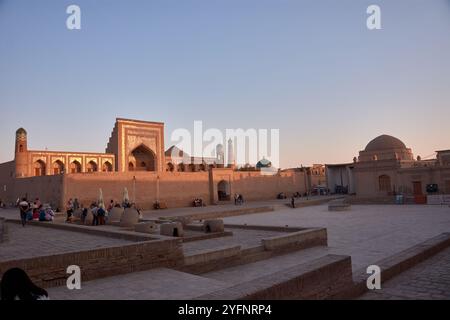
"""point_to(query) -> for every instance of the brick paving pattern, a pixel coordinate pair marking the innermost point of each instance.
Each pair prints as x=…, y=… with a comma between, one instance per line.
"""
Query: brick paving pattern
x=147, y=285
x=428, y=280
x=367, y=233
x=34, y=241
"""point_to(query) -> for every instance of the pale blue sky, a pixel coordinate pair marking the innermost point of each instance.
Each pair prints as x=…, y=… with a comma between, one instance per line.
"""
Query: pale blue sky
x=309, y=68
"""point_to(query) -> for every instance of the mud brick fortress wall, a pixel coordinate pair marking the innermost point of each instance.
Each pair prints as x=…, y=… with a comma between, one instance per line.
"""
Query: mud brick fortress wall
x=178, y=189
x=135, y=159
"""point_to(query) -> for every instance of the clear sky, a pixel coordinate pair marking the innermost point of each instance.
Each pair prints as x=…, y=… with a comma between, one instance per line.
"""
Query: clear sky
x=309, y=68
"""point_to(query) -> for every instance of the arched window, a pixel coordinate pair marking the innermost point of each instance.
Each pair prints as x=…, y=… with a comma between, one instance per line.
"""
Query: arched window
x=75, y=167
x=107, y=167
x=58, y=167
x=170, y=167
x=91, y=166
x=181, y=167
x=384, y=182
x=39, y=168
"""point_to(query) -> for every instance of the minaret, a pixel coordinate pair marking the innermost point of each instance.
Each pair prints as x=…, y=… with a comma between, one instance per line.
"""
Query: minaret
x=21, y=154
x=220, y=156
x=231, y=160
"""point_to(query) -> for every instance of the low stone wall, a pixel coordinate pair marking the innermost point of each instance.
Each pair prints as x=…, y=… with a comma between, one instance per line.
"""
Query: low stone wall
x=264, y=228
x=299, y=240
x=318, y=279
x=370, y=200
x=50, y=271
x=206, y=256
x=225, y=213
x=94, y=230
x=231, y=256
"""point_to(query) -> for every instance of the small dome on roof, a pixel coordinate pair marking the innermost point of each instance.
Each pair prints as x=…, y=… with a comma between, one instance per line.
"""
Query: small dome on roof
x=384, y=142
x=263, y=163
x=21, y=131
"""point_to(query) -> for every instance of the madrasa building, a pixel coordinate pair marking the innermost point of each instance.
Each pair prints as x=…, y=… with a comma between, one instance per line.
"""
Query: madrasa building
x=135, y=159
x=387, y=167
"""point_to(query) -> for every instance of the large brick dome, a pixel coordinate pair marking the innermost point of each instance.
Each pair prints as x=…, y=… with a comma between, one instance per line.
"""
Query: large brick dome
x=385, y=142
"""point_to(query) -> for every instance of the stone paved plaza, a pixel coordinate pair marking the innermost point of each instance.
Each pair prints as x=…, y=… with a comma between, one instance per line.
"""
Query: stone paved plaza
x=34, y=241
x=155, y=284
x=368, y=233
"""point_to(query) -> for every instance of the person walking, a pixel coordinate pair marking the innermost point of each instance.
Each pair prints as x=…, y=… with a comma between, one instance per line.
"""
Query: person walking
x=293, y=202
x=24, y=207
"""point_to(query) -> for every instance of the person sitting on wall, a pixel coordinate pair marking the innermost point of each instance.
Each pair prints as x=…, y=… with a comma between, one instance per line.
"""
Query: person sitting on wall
x=156, y=205
x=42, y=214
x=49, y=214
x=17, y=285
x=35, y=210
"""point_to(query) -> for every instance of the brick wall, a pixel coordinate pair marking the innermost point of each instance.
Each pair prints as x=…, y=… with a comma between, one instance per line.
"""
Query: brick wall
x=50, y=271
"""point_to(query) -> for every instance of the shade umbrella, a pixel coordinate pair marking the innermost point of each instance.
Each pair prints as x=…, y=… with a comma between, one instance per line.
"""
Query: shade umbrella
x=126, y=197
x=101, y=202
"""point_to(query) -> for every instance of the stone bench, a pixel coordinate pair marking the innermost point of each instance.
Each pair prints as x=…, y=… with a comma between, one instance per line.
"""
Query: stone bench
x=172, y=229
x=339, y=205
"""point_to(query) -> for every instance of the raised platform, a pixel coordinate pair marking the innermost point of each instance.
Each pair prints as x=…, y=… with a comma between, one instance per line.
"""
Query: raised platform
x=318, y=279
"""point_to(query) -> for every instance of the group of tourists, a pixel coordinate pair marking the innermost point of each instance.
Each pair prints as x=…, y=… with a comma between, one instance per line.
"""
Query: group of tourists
x=34, y=211
x=98, y=211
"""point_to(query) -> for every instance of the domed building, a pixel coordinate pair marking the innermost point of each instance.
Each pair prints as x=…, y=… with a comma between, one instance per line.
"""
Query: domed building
x=385, y=147
x=387, y=167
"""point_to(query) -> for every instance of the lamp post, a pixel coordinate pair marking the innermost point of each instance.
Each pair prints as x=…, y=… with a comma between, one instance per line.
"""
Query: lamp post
x=157, y=188
x=134, y=189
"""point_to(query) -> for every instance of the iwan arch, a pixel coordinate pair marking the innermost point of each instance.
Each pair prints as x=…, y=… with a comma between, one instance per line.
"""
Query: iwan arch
x=135, y=159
